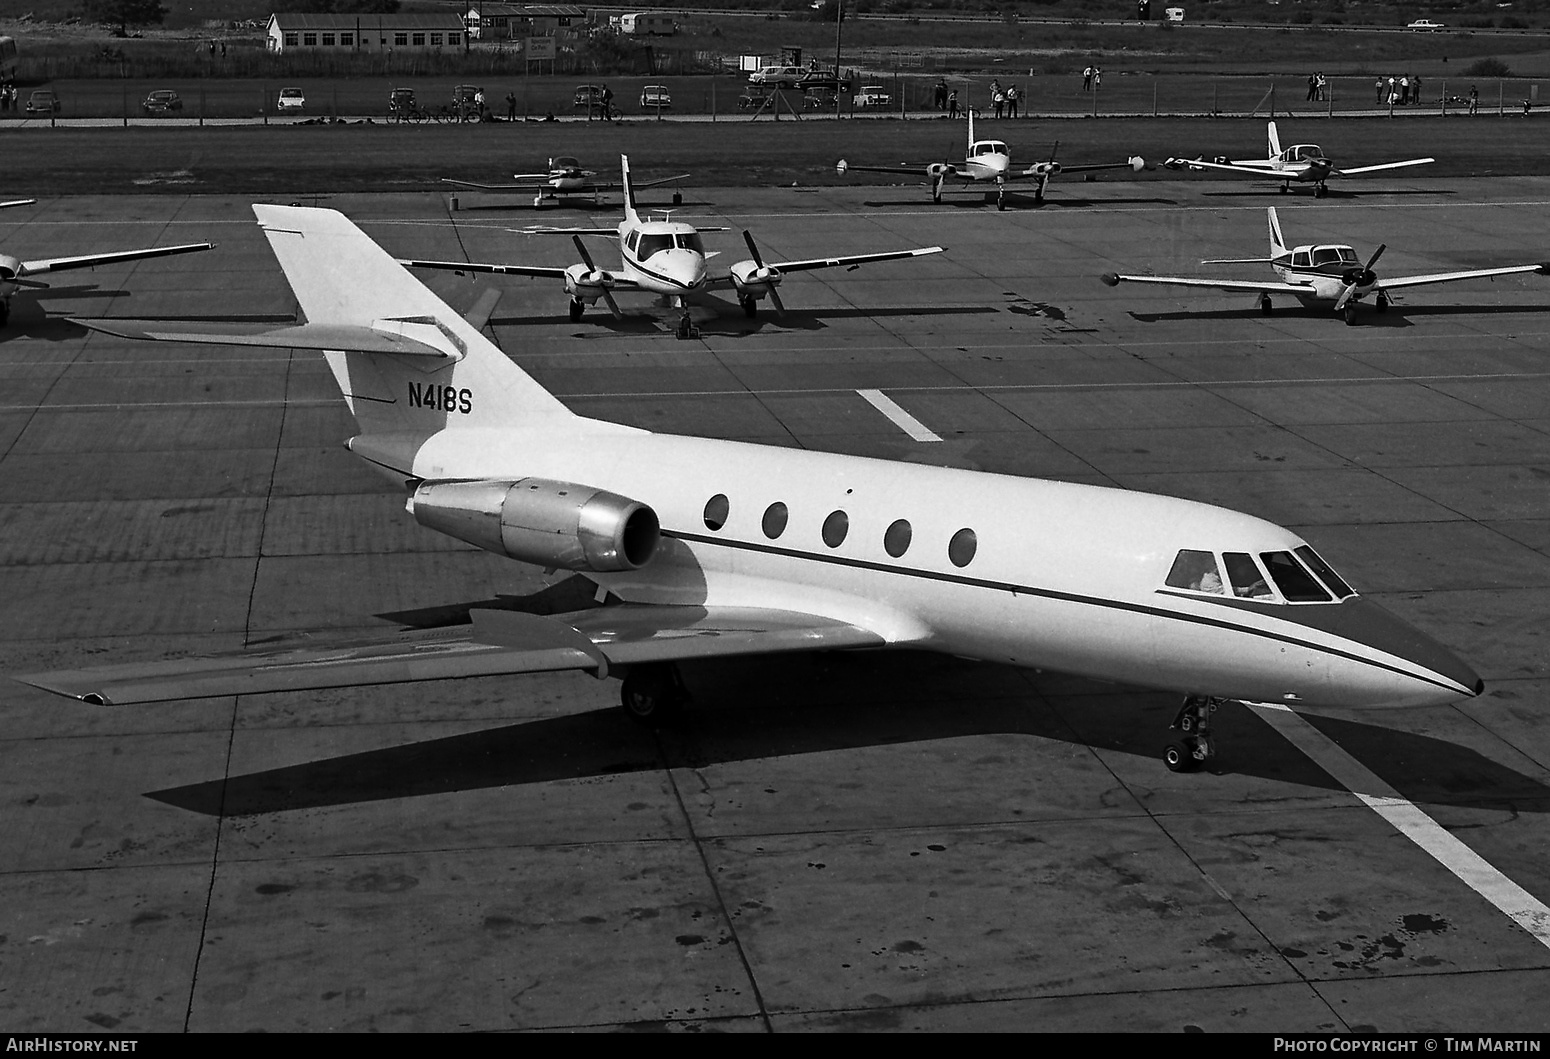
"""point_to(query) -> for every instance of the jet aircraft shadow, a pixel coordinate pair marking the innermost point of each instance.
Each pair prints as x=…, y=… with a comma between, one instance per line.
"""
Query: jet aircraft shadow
x=747, y=709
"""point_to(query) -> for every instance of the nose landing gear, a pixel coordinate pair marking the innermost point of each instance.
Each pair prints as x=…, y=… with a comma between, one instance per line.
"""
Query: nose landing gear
x=1194, y=747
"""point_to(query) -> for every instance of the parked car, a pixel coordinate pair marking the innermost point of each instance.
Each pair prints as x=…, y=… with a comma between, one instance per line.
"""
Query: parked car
x=872, y=96
x=589, y=98
x=822, y=81
x=467, y=101
x=401, y=103
x=782, y=76
x=820, y=98
x=44, y=101
x=161, y=101
x=1424, y=25
x=654, y=97
x=292, y=99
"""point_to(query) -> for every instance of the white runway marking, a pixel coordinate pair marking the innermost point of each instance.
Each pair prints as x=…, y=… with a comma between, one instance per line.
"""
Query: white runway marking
x=1522, y=907
x=901, y=419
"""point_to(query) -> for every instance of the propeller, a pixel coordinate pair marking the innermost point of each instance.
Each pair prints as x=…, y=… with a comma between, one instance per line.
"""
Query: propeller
x=1359, y=277
x=758, y=259
x=586, y=259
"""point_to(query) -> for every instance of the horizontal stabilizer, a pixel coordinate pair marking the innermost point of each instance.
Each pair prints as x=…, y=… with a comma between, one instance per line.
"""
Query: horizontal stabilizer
x=342, y=337
x=500, y=642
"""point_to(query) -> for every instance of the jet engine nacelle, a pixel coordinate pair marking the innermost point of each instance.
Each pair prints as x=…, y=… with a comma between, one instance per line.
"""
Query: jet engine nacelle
x=10, y=267
x=536, y=520
x=587, y=284
x=754, y=281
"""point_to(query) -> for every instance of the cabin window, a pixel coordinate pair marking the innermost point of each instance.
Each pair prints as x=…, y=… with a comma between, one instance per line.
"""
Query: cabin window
x=1295, y=583
x=632, y=240
x=775, y=520
x=1331, y=579
x=652, y=244
x=716, y=510
x=1300, y=259
x=962, y=547
x=1245, y=576
x=835, y=527
x=1195, y=571
x=896, y=541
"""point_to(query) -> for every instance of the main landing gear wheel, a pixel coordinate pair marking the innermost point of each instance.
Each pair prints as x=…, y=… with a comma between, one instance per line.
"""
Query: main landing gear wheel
x=1381, y=303
x=1001, y=197
x=1320, y=192
x=686, y=328
x=577, y=307
x=1195, y=746
x=1265, y=308
x=1285, y=188
x=1349, y=314
x=653, y=693
x=750, y=306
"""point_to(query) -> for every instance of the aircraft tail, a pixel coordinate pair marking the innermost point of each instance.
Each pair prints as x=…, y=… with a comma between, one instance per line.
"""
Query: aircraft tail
x=1275, y=142
x=407, y=364
x=1277, y=241
x=970, y=112
x=629, y=191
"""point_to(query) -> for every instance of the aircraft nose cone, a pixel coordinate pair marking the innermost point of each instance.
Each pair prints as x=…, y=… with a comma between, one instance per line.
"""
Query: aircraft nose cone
x=1445, y=675
x=684, y=268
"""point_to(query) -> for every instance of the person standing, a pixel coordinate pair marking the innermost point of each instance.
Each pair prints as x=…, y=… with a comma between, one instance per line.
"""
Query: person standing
x=1404, y=90
x=1313, y=88
x=952, y=103
x=1415, y=91
x=511, y=106
x=1097, y=78
x=1012, y=97
x=1087, y=78
x=1474, y=99
x=608, y=103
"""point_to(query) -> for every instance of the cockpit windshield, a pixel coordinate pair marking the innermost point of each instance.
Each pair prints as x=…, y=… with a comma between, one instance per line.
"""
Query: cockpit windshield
x=1299, y=576
x=689, y=241
x=653, y=244
x=1306, y=152
x=1334, y=255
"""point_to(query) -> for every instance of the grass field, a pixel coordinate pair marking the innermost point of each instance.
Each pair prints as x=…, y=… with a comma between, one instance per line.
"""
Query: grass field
x=295, y=161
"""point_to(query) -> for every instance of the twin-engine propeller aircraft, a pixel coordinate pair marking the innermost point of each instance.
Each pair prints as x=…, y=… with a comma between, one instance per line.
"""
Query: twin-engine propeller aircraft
x=565, y=176
x=700, y=547
x=987, y=160
x=1301, y=163
x=666, y=258
x=14, y=271
x=1327, y=274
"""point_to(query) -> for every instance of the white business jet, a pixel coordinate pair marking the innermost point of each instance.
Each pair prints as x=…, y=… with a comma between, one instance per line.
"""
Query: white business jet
x=667, y=258
x=14, y=271
x=987, y=161
x=565, y=176
x=1301, y=163
x=1322, y=274
x=700, y=547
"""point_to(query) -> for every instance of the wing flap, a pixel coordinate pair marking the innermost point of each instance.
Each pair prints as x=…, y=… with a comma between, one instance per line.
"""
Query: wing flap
x=498, y=643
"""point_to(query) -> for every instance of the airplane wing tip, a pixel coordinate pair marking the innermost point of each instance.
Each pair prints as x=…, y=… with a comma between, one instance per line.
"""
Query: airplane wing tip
x=1110, y=279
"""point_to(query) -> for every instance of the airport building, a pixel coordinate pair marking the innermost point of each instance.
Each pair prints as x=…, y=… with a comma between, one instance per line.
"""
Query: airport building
x=499, y=22
x=290, y=32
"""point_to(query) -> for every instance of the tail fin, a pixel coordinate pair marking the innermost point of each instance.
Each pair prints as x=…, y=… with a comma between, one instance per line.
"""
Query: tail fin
x=1277, y=241
x=629, y=191
x=970, y=111
x=345, y=282
x=1275, y=142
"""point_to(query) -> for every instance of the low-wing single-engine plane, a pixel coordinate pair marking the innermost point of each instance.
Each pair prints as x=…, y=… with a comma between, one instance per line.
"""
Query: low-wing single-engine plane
x=1322, y=274
x=702, y=547
x=14, y=272
x=987, y=161
x=565, y=177
x=1301, y=163
x=667, y=258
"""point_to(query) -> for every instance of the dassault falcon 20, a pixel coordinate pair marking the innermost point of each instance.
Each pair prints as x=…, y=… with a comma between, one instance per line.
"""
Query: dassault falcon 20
x=14, y=271
x=665, y=257
x=988, y=161
x=1301, y=163
x=701, y=547
x=565, y=176
x=1322, y=274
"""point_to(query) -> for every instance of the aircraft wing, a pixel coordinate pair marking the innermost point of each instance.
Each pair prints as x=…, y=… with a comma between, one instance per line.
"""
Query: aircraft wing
x=1269, y=287
x=499, y=642
x=535, y=186
x=542, y=271
x=17, y=202
x=857, y=259
x=1230, y=167
x=1134, y=162
x=1359, y=170
x=59, y=264
x=638, y=184
x=1448, y=277
x=342, y=337
x=902, y=169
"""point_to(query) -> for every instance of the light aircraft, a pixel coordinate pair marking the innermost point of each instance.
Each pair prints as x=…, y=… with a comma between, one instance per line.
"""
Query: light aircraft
x=1301, y=163
x=1322, y=274
x=987, y=161
x=14, y=271
x=701, y=547
x=565, y=176
x=667, y=258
